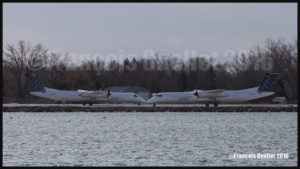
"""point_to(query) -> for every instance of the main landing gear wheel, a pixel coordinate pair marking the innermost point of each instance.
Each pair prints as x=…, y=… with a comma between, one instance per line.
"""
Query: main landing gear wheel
x=206, y=105
x=91, y=104
x=216, y=104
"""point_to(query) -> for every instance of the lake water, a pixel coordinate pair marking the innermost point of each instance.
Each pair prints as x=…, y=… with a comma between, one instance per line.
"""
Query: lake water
x=148, y=139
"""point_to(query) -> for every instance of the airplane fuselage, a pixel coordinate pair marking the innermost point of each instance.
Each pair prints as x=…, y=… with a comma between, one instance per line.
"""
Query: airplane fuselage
x=228, y=96
x=73, y=96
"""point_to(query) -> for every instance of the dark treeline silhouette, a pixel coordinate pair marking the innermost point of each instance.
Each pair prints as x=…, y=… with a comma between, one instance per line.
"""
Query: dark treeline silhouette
x=157, y=74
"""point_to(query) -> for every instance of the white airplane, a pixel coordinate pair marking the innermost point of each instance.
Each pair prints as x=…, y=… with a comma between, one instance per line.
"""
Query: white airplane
x=220, y=95
x=82, y=96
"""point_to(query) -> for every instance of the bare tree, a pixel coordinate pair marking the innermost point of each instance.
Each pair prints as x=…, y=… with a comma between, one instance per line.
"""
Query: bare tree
x=160, y=73
x=55, y=70
x=23, y=57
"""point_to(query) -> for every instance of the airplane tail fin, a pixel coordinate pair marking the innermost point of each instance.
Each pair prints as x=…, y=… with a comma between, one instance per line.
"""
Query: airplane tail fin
x=34, y=83
x=269, y=83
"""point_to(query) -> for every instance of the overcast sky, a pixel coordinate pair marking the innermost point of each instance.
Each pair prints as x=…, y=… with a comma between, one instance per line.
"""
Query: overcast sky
x=136, y=27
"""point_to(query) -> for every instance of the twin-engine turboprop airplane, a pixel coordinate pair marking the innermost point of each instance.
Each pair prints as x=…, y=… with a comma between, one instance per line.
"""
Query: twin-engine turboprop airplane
x=220, y=95
x=81, y=96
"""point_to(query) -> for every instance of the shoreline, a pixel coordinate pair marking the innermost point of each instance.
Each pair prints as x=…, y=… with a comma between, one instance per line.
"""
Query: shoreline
x=148, y=108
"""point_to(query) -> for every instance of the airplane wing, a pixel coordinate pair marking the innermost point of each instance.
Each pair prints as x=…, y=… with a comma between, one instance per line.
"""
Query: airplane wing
x=215, y=92
x=82, y=91
x=93, y=94
x=212, y=93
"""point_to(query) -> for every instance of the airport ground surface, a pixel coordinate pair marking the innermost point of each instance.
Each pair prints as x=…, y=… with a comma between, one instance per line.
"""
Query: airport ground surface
x=13, y=107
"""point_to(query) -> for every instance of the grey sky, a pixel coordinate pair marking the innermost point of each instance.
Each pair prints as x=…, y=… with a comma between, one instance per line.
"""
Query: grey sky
x=136, y=27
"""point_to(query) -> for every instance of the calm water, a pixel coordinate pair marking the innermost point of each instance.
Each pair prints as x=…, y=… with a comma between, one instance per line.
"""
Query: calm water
x=147, y=139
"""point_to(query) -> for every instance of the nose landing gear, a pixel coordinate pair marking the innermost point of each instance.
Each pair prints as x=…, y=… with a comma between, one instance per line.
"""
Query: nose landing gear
x=215, y=104
x=90, y=103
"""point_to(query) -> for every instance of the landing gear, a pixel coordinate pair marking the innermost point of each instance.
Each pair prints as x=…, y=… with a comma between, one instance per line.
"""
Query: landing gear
x=83, y=103
x=154, y=105
x=216, y=104
x=139, y=104
x=206, y=105
x=90, y=104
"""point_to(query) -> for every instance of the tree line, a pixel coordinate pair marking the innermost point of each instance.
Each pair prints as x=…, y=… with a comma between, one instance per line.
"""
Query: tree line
x=157, y=74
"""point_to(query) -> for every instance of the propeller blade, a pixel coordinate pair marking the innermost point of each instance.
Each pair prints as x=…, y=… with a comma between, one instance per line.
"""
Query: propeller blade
x=108, y=92
x=196, y=93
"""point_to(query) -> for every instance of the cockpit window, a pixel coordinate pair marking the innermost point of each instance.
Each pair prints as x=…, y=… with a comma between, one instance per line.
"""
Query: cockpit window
x=134, y=95
x=159, y=95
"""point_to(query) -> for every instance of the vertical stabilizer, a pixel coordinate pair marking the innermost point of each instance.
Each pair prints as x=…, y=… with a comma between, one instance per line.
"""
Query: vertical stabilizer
x=34, y=83
x=269, y=83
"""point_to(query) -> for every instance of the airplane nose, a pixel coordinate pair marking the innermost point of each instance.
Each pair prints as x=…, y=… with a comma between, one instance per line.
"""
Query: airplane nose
x=142, y=100
x=151, y=100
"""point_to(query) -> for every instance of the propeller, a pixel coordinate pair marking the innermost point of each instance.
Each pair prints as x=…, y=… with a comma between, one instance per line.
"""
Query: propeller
x=98, y=91
x=108, y=93
x=135, y=91
x=196, y=93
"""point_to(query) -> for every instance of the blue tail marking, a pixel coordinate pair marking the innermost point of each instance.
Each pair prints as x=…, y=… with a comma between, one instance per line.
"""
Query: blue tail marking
x=34, y=84
x=269, y=83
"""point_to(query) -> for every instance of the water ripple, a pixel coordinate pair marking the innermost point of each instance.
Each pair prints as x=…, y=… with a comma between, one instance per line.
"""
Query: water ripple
x=147, y=139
